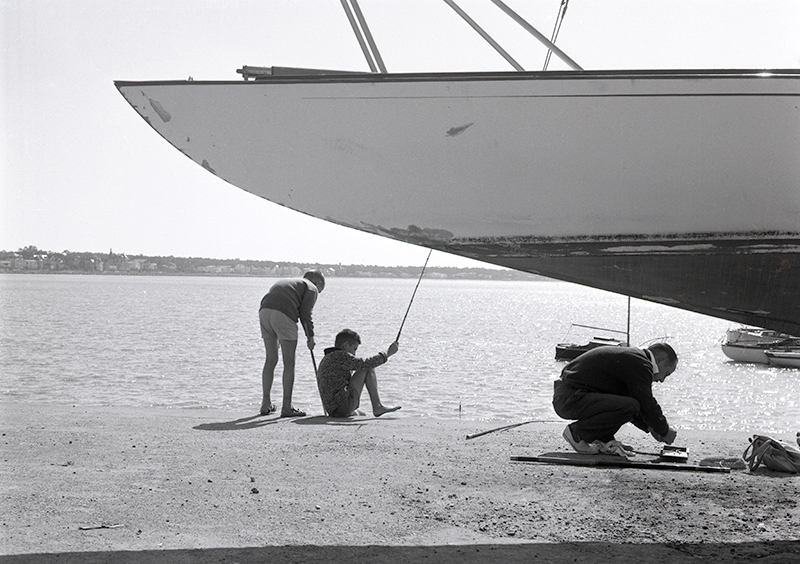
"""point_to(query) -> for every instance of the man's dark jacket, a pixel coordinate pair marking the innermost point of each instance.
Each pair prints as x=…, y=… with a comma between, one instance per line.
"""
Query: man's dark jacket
x=621, y=371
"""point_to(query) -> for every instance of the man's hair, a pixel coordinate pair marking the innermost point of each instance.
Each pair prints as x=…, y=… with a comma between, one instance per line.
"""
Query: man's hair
x=665, y=350
x=314, y=276
x=347, y=336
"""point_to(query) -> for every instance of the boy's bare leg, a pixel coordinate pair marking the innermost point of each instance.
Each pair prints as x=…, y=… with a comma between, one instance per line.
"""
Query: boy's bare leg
x=378, y=408
x=368, y=378
x=268, y=374
x=288, y=349
x=356, y=387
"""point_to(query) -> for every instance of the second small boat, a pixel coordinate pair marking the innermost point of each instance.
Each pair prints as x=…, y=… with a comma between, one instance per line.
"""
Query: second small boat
x=762, y=346
x=783, y=358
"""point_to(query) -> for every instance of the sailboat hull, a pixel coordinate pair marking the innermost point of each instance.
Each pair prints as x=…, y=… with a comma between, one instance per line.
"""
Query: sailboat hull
x=677, y=187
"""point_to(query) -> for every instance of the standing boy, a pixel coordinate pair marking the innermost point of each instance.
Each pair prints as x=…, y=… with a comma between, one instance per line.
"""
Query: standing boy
x=341, y=376
x=285, y=303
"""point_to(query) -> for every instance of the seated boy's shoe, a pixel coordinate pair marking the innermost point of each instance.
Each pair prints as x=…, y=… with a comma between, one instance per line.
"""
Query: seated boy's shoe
x=581, y=447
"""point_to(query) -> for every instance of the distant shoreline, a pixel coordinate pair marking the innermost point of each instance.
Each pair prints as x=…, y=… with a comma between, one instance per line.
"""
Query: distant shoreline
x=34, y=260
x=460, y=274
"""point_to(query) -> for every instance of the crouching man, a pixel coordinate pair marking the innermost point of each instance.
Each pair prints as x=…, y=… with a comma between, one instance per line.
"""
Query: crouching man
x=607, y=387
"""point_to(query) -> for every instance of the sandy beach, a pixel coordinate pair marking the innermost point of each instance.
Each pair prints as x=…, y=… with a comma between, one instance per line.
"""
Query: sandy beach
x=169, y=485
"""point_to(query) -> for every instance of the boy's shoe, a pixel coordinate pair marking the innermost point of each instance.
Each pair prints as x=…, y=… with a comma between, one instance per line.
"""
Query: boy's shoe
x=272, y=408
x=581, y=447
x=292, y=413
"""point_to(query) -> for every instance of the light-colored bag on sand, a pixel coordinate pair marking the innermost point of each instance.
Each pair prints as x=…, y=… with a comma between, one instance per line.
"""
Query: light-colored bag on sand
x=774, y=454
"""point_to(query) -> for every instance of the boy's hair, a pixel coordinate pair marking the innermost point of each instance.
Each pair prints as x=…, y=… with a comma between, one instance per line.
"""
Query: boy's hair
x=666, y=350
x=314, y=276
x=346, y=336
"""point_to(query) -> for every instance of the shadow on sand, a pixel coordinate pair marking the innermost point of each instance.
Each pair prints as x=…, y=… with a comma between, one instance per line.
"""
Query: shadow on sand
x=256, y=421
x=252, y=422
x=777, y=552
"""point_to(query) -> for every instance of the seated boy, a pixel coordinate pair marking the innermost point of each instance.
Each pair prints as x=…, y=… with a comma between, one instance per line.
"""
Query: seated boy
x=341, y=376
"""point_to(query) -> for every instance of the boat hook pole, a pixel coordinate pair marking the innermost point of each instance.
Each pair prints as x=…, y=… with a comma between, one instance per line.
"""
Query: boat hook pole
x=397, y=340
x=316, y=372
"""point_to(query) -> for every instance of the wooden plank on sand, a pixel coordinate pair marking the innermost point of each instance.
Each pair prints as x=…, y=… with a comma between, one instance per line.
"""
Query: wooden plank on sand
x=618, y=462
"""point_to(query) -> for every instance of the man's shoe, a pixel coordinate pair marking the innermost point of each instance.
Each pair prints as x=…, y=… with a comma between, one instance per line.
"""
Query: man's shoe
x=614, y=448
x=581, y=447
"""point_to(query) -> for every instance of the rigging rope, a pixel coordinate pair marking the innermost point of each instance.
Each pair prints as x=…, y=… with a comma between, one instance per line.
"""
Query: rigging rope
x=562, y=10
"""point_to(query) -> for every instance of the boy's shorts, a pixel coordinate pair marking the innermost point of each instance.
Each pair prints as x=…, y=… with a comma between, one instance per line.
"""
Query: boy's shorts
x=277, y=325
x=347, y=406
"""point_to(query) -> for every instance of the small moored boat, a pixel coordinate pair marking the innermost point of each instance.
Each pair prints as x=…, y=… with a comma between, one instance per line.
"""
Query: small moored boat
x=783, y=358
x=750, y=344
x=569, y=351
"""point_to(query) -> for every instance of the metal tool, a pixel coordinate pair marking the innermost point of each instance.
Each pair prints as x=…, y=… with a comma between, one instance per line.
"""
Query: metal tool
x=674, y=454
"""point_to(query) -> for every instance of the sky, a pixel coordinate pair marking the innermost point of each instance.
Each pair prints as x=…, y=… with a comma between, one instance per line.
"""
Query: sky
x=81, y=171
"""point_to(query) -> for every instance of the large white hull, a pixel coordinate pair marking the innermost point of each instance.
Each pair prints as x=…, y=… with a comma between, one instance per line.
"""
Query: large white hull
x=740, y=353
x=668, y=186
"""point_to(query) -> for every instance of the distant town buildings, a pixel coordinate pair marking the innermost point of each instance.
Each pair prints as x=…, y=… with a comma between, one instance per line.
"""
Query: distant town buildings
x=32, y=259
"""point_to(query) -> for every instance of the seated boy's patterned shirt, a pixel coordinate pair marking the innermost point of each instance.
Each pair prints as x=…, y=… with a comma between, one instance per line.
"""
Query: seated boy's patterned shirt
x=335, y=371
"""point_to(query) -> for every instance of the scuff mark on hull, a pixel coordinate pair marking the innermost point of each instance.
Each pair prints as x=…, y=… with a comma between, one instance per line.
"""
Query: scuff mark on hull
x=157, y=108
x=453, y=131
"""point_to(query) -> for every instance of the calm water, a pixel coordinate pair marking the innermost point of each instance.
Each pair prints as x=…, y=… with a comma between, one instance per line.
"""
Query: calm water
x=480, y=350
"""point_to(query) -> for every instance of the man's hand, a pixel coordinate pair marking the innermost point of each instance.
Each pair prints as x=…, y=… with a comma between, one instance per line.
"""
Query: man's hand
x=392, y=348
x=669, y=438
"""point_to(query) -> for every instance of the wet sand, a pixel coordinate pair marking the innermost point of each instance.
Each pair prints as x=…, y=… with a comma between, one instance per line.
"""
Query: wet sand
x=159, y=485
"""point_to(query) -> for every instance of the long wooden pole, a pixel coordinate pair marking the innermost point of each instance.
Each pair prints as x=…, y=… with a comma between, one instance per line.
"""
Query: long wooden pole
x=608, y=461
x=314, y=360
x=503, y=428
